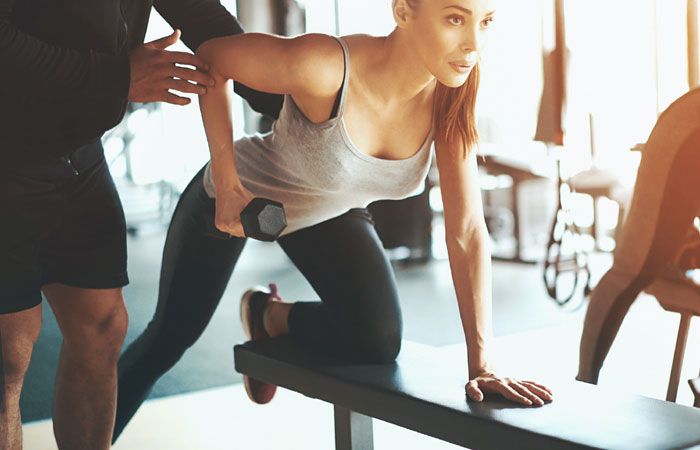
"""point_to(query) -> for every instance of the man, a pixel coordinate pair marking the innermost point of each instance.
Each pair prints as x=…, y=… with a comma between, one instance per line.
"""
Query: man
x=67, y=70
x=658, y=237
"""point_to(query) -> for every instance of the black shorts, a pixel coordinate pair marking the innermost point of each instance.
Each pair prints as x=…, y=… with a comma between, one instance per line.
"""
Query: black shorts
x=60, y=222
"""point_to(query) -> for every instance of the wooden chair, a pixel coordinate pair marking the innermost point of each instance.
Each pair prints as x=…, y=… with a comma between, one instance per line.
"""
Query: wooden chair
x=599, y=183
x=682, y=296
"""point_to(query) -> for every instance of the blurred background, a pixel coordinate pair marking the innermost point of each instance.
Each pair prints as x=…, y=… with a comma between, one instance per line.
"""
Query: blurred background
x=570, y=92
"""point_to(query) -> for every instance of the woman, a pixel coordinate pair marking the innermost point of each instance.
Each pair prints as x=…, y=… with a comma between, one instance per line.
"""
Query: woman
x=355, y=111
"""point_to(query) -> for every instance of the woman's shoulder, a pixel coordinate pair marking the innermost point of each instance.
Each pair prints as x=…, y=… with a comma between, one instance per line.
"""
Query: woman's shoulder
x=363, y=43
x=316, y=61
x=319, y=44
x=320, y=58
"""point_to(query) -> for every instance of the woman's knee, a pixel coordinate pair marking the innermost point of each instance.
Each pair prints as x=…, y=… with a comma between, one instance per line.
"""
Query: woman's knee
x=378, y=340
x=378, y=347
x=376, y=328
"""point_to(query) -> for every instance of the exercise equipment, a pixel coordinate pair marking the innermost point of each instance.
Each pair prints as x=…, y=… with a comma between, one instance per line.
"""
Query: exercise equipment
x=565, y=261
x=263, y=219
x=424, y=391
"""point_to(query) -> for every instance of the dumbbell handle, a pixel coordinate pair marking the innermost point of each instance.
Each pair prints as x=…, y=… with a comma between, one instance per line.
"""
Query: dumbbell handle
x=249, y=231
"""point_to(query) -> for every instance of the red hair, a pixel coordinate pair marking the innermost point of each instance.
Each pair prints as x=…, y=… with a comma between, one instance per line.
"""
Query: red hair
x=455, y=113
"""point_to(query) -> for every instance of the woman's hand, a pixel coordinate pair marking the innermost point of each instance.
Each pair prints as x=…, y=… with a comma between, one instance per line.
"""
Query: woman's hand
x=229, y=204
x=524, y=392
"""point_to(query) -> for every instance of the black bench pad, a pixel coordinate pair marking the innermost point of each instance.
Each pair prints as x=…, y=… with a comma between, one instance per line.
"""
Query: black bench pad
x=424, y=391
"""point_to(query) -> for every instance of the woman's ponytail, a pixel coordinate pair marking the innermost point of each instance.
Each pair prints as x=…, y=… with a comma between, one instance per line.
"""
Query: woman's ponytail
x=455, y=115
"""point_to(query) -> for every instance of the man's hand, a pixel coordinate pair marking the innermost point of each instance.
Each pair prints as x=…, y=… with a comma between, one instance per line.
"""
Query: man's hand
x=155, y=71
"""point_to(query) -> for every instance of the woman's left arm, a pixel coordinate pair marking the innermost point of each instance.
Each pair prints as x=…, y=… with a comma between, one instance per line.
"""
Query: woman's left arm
x=470, y=263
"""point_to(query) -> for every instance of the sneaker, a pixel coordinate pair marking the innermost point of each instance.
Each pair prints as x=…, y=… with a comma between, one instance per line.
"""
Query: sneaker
x=253, y=304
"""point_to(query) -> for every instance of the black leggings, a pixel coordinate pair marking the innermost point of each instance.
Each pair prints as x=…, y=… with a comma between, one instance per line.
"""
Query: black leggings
x=357, y=319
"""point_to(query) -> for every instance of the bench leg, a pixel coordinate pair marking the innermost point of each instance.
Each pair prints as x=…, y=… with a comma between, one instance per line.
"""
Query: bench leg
x=678, y=357
x=353, y=431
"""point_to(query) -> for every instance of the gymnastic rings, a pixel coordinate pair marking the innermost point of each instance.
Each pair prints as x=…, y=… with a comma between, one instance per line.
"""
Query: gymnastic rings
x=565, y=263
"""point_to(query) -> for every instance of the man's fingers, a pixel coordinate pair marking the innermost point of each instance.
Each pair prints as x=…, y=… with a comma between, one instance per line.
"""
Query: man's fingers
x=187, y=58
x=166, y=41
x=176, y=99
x=185, y=86
x=191, y=75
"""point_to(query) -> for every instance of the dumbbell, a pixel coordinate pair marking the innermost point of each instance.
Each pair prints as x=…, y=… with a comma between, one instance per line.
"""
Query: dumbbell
x=263, y=219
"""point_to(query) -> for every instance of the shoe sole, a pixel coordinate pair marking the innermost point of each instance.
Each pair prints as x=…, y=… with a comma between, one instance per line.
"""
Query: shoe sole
x=248, y=330
x=245, y=310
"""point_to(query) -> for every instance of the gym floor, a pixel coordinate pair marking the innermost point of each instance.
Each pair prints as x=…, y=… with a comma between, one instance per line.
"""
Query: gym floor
x=221, y=418
x=204, y=397
x=428, y=301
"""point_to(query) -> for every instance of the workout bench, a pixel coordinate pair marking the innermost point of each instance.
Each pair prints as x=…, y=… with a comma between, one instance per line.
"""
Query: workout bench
x=423, y=391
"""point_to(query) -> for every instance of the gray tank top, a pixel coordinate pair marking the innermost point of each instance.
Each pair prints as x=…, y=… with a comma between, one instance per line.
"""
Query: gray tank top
x=316, y=171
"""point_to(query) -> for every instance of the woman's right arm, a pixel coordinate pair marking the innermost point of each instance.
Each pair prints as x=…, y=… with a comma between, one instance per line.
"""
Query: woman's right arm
x=308, y=67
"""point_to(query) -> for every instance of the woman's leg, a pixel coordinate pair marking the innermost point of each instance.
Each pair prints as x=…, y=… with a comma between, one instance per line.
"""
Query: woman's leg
x=666, y=200
x=358, y=317
x=195, y=270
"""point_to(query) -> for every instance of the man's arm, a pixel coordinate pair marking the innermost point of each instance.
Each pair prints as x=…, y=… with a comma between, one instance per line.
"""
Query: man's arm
x=52, y=72
x=202, y=20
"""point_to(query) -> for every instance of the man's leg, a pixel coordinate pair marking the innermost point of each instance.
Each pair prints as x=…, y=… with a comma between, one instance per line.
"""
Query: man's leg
x=18, y=332
x=20, y=297
x=93, y=323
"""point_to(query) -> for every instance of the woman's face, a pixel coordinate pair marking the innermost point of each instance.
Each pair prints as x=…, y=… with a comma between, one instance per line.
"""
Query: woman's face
x=448, y=35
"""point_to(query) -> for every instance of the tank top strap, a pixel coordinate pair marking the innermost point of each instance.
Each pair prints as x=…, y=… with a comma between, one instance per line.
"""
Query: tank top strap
x=346, y=76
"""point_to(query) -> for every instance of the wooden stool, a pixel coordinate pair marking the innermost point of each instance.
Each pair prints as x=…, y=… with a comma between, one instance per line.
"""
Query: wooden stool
x=599, y=183
x=681, y=296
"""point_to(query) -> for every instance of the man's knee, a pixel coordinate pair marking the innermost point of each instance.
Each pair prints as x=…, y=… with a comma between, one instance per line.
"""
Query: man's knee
x=101, y=335
x=15, y=361
x=17, y=338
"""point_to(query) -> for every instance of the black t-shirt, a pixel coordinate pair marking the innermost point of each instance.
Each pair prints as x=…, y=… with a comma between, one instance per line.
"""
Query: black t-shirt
x=64, y=67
